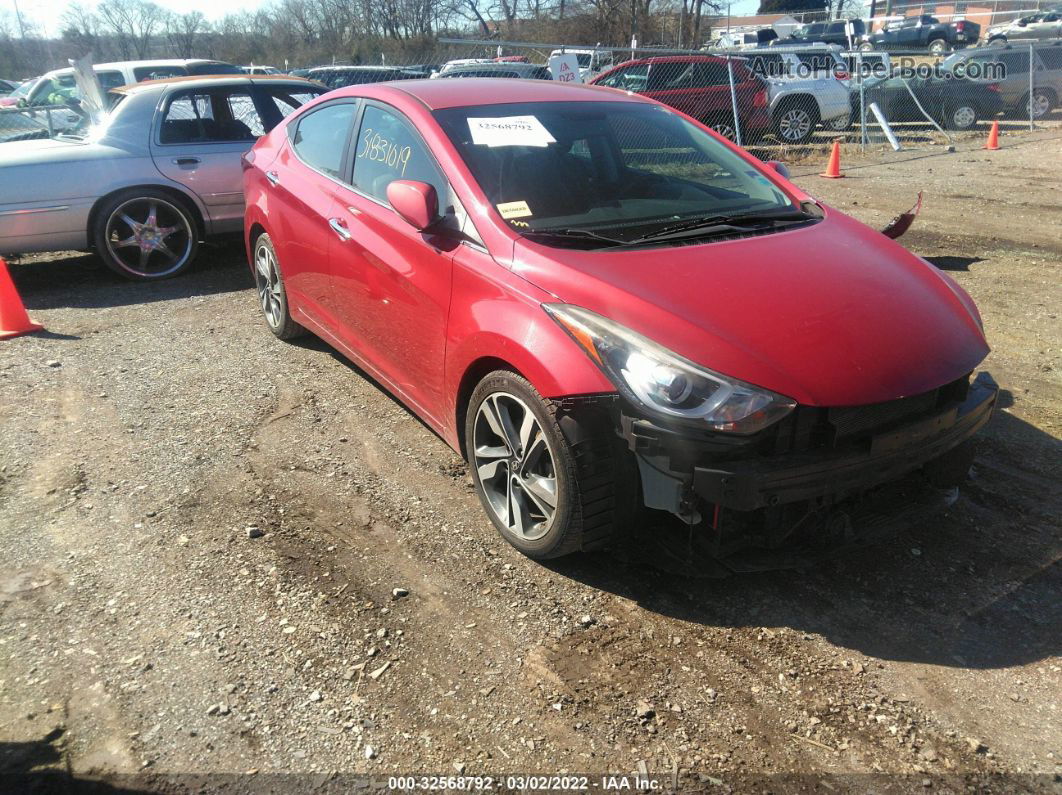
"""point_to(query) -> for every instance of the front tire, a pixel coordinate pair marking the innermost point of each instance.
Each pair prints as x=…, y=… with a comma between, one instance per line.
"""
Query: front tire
x=795, y=122
x=146, y=235
x=272, y=295
x=547, y=496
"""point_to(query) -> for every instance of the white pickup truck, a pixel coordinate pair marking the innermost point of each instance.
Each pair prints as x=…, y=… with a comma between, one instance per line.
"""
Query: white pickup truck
x=592, y=61
x=807, y=86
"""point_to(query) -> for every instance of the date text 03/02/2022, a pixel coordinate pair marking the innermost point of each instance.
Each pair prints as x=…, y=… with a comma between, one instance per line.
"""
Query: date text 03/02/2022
x=527, y=783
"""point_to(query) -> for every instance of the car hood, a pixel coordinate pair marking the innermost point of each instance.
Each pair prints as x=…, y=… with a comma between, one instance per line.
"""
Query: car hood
x=830, y=314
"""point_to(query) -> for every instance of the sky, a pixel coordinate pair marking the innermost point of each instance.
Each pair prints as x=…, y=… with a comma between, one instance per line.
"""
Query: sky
x=45, y=14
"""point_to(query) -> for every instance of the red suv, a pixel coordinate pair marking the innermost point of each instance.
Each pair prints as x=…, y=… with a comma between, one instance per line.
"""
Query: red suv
x=699, y=86
x=605, y=307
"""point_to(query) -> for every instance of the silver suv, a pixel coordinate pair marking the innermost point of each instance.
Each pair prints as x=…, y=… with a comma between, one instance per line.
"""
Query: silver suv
x=1013, y=62
x=807, y=86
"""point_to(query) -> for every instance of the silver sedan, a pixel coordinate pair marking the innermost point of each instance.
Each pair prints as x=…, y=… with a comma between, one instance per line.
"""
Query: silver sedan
x=145, y=183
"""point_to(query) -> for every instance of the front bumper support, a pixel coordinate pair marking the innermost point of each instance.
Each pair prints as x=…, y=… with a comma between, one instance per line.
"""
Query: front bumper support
x=758, y=483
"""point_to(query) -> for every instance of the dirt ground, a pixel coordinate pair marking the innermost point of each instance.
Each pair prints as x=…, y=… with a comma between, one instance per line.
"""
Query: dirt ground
x=146, y=636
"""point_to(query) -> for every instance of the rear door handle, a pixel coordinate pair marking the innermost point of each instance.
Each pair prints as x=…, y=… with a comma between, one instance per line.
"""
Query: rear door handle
x=339, y=229
x=186, y=161
x=273, y=177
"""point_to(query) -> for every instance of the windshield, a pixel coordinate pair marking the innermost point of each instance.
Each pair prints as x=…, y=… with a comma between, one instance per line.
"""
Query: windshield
x=621, y=169
x=23, y=89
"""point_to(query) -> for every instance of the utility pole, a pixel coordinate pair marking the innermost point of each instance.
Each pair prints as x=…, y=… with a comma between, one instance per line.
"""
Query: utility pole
x=18, y=17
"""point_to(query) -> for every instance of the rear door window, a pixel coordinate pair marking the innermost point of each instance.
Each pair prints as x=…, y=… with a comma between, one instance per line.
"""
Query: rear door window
x=216, y=116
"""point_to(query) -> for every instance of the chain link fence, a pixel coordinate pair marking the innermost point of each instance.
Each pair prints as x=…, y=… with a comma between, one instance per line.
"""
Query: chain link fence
x=781, y=102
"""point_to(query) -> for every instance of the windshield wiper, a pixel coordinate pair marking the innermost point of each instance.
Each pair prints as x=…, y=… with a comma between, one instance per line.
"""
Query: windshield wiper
x=727, y=223
x=574, y=233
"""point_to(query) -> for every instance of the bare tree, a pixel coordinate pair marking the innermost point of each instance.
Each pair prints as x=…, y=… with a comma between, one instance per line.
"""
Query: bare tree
x=132, y=23
x=183, y=32
x=81, y=27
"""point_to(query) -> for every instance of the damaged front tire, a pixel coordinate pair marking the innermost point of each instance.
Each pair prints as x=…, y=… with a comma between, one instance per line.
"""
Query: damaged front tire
x=548, y=492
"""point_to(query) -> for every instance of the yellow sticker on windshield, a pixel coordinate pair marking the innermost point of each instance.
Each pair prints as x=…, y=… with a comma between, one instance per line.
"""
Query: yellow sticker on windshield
x=514, y=209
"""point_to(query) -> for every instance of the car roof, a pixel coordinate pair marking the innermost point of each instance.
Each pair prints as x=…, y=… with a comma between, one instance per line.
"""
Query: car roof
x=658, y=59
x=115, y=65
x=496, y=66
x=456, y=93
x=206, y=81
x=358, y=68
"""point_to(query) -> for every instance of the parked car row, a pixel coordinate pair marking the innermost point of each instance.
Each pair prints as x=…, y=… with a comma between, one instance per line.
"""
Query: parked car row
x=915, y=32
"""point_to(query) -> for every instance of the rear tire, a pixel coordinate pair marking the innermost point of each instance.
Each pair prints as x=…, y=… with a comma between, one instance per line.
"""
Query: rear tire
x=1043, y=102
x=938, y=46
x=521, y=461
x=145, y=234
x=272, y=295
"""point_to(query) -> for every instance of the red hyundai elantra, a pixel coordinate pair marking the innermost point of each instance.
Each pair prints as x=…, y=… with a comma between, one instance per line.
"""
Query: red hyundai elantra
x=607, y=308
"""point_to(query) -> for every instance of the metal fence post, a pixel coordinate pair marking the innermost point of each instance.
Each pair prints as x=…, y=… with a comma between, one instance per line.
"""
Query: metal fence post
x=1032, y=71
x=862, y=104
x=733, y=100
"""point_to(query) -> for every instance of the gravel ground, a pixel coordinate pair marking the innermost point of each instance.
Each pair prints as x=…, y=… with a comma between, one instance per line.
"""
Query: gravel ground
x=204, y=530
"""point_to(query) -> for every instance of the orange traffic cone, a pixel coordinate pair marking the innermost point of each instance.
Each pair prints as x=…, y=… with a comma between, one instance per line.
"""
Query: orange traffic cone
x=833, y=169
x=993, y=137
x=13, y=318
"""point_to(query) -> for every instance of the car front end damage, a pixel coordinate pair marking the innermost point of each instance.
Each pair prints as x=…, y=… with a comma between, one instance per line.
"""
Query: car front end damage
x=812, y=485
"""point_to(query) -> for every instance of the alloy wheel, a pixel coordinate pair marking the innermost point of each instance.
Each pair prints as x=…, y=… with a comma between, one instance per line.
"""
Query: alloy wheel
x=267, y=279
x=725, y=130
x=158, y=245
x=515, y=465
x=794, y=124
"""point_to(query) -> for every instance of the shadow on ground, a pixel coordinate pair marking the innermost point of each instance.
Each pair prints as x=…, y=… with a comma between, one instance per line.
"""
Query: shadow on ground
x=977, y=586
x=37, y=767
x=81, y=280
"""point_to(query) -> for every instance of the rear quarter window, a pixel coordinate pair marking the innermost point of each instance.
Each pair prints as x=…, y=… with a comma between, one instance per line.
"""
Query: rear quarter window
x=321, y=136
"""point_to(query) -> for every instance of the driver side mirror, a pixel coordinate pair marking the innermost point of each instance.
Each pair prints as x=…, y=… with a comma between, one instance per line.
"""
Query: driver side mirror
x=415, y=202
x=780, y=167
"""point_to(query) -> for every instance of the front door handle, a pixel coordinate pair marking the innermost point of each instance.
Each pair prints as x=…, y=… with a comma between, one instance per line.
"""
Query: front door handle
x=186, y=161
x=273, y=178
x=339, y=229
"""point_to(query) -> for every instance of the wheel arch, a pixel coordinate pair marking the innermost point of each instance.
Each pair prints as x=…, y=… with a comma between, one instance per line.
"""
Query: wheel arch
x=474, y=373
x=178, y=195
x=801, y=99
x=556, y=367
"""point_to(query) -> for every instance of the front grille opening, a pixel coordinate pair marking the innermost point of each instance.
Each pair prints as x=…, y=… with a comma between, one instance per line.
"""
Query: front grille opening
x=813, y=428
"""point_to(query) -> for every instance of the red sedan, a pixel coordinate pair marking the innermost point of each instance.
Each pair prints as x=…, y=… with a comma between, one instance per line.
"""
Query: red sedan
x=606, y=307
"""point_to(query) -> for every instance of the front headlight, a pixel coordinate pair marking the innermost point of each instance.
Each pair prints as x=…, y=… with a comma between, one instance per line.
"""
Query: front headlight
x=665, y=383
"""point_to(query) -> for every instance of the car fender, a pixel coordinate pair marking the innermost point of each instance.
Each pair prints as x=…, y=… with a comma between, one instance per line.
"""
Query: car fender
x=508, y=329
